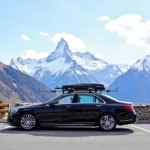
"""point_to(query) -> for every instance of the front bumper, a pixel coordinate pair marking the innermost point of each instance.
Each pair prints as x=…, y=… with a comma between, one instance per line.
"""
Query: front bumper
x=12, y=120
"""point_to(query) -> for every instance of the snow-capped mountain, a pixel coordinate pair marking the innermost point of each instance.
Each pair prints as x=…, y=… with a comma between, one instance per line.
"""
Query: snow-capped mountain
x=89, y=61
x=134, y=85
x=73, y=74
x=142, y=65
x=124, y=67
x=62, y=51
x=63, y=66
x=27, y=66
x=108, y=74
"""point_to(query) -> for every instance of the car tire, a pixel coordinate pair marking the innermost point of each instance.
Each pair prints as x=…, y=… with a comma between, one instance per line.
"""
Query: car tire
x=107, y=122
x=27, y=121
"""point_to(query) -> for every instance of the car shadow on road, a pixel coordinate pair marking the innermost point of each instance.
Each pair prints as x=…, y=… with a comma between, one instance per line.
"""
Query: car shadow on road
x=68, y=132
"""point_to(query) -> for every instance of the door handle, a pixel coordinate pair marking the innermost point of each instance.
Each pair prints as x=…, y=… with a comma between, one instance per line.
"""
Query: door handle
x=68, y=106
x=98, y=105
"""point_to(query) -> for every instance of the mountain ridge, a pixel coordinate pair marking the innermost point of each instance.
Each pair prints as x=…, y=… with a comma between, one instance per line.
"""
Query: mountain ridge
x=59, y=62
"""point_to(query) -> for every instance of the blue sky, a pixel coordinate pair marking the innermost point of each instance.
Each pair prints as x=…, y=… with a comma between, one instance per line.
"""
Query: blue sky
x=117, y=31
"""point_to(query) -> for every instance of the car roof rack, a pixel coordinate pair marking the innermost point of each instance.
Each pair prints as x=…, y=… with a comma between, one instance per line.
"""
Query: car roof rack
x=86, y=87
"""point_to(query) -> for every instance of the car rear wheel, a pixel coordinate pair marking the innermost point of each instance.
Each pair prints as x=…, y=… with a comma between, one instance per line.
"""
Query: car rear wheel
x=27, y=121
x=107, y=122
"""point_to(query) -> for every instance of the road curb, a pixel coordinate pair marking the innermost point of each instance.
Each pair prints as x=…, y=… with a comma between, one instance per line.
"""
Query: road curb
x=143, y=121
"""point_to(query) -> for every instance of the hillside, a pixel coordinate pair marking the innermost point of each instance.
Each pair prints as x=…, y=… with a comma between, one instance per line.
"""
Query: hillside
x=15, y=85
x=134, y=85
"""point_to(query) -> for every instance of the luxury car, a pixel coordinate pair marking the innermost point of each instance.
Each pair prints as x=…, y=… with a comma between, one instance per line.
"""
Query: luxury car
x=78, y=105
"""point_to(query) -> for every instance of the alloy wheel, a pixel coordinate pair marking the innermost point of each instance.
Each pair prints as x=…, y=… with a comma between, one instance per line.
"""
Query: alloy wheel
x=28, y=121
x=107, y=122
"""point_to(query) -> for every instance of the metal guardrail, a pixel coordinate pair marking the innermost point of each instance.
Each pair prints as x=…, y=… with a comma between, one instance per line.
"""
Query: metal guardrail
x=2, y=108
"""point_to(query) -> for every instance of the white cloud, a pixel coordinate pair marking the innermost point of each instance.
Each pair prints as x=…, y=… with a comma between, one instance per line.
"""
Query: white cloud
x=74, y=42
x=32, y=54
x=25, y=37
x=103, y=18
x=43, y=34
x=132, y=28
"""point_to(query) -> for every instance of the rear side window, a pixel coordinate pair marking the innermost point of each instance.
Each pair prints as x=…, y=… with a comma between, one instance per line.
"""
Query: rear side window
x=108, y=99
x=89, y=99
x=98, y=100
x=86, y=99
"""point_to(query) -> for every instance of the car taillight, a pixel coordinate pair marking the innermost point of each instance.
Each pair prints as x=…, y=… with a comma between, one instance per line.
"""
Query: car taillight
x=129, y=107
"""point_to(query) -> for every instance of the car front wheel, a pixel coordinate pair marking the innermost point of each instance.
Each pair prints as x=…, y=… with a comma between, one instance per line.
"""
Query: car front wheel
x=27, y=121
x=107, y=122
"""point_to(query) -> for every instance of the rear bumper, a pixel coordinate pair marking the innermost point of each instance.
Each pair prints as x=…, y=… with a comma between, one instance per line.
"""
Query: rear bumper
x=131, y=119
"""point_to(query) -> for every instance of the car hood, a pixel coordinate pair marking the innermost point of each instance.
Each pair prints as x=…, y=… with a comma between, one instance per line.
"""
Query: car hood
x=28, y=106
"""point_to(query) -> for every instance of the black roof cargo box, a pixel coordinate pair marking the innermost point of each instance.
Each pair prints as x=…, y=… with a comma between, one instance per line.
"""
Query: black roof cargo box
x=84, y=86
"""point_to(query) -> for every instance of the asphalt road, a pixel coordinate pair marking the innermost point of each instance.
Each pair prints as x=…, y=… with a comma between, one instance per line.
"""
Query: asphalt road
x=129, y=137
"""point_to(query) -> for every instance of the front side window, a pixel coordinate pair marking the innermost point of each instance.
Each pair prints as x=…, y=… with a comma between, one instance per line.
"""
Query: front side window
x=65, y=100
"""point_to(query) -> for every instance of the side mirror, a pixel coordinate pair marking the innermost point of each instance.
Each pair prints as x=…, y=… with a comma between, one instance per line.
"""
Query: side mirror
x=52, y=104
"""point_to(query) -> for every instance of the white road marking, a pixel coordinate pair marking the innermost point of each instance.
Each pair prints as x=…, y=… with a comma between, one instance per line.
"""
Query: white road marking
x=121, y=133
x=140, y=128
x=138, y=133
x=6, y=127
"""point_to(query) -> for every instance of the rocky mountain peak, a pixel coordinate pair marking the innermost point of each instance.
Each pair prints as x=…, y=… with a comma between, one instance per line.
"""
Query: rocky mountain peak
x=62, y=50
x=142, y=64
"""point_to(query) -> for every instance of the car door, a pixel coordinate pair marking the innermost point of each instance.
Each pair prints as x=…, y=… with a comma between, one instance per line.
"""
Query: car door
x=56, y=111
x=62, y=111
x=87, y=108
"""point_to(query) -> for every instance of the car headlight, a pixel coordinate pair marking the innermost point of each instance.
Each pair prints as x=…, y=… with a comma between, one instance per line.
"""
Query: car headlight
x=12, y=112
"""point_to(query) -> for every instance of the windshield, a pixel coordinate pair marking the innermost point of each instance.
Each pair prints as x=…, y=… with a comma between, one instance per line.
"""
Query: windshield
x=53, y=98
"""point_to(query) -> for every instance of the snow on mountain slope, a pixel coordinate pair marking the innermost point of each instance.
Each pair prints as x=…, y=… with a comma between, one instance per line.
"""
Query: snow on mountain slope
x=86, y=56
x=134, y=85
x=89, y=61
x=56, y=68
x=143, y=64
x=27, y=66
x=124, y=67
x=108, y=74
x=64, y=66
x=73, y=74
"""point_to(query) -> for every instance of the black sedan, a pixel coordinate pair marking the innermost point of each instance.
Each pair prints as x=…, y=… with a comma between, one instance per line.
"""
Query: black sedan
x=74, y=108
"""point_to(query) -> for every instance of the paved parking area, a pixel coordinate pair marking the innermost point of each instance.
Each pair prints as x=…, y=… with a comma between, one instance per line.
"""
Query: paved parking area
x=129, y=137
